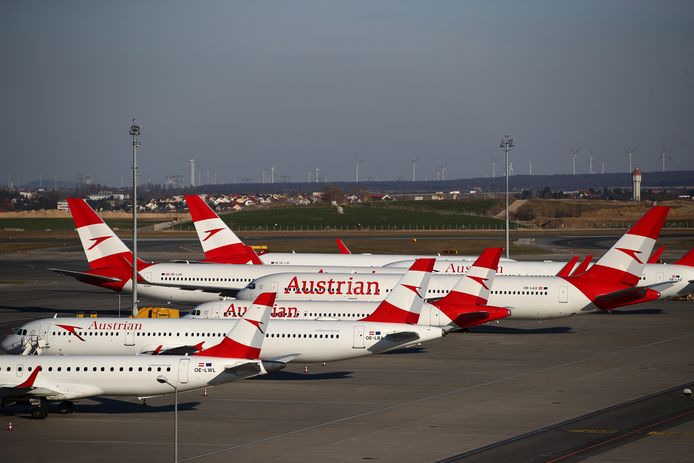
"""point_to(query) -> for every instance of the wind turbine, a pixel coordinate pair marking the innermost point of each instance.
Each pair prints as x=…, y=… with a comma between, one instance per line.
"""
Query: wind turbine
x=590, y=162
x=664, y=155
x=356, y=168
x=414, y=168
x=631, y=152
x=574, y=153
x=602, y=163
x=530, y=165
x=494, y=161
x=443, y=170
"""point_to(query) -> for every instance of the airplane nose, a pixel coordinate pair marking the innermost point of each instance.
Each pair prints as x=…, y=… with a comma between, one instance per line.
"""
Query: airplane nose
x=9, y=344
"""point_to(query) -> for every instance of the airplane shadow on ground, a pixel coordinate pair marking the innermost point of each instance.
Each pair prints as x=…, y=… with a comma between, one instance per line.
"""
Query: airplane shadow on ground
x=486, y=329
x=294, y=376
x=635, y=312
x=104, y=405
x=409, y=350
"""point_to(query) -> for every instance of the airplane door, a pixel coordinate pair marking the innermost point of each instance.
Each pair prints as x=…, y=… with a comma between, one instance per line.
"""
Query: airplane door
x=659, y=277
x=147, y=276
x=563, y=294
x=183, y=366
x=129, y=338
x=434, y=320
x=358, y=337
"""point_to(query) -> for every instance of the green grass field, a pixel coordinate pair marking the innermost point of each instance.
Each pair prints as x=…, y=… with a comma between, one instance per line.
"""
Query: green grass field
x=354, y=217
x=446, y=206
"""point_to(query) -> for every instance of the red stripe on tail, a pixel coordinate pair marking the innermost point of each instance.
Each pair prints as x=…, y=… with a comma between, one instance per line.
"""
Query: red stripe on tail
x=687, y=259
x=199, y=210
x=489, y=258
x=423, y=265
x=651, y=223
x=82, y=214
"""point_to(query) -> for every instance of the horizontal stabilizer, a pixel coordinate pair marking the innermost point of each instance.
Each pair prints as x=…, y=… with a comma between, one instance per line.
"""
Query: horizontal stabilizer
x=628, y=296
x=86, y=277
x=245, y=370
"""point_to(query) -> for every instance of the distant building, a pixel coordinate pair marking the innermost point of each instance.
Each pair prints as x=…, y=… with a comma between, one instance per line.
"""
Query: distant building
x=636, y=185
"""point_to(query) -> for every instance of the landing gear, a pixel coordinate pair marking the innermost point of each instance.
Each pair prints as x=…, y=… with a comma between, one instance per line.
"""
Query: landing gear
x=39, y=412
x=66, y=407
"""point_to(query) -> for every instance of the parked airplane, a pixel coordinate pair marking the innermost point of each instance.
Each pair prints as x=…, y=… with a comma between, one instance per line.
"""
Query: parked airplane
x=608, y=284
x=467, y=309
x=390, y=326
x=220, y=244
x=110, y=266
x=66, y=378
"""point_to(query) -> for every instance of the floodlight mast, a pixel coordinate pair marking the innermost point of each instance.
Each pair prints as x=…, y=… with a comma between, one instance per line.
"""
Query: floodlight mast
x=506, y=145
x=135, y=133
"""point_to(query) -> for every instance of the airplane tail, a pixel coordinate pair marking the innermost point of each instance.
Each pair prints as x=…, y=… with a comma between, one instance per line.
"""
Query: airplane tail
x=245, y=340
x=687, y=259
x=656, y=255
x=404, y=303
x=466, y=304
x=473, y=287
x=101, y=245
x=219, y=243
x=624, y=262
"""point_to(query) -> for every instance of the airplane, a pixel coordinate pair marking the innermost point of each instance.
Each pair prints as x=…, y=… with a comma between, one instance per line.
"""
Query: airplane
x=66, y=378
x=220, y=244
x=469, y=308
x=390, y=326
x=110, y=267
x=608, y=284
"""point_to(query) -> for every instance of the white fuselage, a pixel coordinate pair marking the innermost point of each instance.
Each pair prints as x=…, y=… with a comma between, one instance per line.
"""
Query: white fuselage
x=536, y=297
x=305, y=341
x=349, y=260
x=312, y=310
x=74, y=377
x=209, y=280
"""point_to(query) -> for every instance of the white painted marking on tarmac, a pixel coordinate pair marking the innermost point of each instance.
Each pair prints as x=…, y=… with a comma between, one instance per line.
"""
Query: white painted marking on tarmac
x=432, y=397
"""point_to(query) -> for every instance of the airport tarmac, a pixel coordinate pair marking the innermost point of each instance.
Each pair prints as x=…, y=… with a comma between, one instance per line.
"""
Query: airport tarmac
x=526, y=384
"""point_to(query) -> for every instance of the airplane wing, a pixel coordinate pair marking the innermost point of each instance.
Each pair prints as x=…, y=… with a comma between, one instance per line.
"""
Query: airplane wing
x=626, y=296
x=86, y=277
x=26, y=388
x=394, y=341
x=222, y=291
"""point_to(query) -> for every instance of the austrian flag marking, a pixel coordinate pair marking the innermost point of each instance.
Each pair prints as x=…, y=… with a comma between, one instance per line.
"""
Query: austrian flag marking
x=631, y=253
x=211, y=233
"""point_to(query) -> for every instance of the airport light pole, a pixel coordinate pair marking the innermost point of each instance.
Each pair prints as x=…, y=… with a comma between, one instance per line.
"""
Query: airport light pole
x=506, y=145
x=162, y=379
x=135, y=133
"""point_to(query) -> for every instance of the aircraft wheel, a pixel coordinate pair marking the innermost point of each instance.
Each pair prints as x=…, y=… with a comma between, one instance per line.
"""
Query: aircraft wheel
x=66, y=407
x=39, y=413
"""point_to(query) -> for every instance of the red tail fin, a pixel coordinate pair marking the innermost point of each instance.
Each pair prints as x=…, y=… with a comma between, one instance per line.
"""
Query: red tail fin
x=342, y=247
x=566, y=270
x=687, y=259
x=656, y=255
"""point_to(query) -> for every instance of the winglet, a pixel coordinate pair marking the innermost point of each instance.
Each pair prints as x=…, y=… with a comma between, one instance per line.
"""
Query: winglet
x=583, y=266
x=245, y=340
x=566, y=270
x=404, y=303
x=656, y=255
x=31, y=379
x=687, y=259
x=342, y=247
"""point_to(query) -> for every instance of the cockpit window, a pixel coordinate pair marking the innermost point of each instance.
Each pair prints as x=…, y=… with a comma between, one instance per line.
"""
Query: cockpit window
x=251, y=285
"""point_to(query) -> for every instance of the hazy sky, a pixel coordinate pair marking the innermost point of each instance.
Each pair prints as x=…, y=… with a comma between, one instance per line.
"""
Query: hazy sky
x=302, y=84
